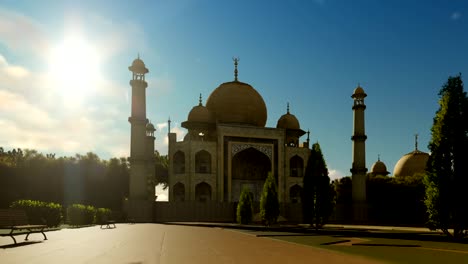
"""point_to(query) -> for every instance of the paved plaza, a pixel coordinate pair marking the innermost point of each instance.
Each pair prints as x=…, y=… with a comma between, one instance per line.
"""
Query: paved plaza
x=157, y=243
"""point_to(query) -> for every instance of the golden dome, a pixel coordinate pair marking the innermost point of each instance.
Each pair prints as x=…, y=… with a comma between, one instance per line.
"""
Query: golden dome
x=138, y=66
x=239, y=103
x=379, y=168
x=359, y=92
x=200, y=114
x=411, y=163
x=288, y=121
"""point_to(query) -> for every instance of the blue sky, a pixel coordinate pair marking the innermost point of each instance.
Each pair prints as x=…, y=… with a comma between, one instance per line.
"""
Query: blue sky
x=311, y=54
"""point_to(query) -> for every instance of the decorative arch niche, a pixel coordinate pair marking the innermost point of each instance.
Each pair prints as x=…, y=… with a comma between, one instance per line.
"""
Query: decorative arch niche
x=203, y=162
x=295, y=194
x=203, y=192
x=296, y=166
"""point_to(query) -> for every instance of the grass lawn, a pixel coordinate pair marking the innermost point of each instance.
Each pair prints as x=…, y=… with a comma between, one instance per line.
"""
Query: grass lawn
x=393, y=250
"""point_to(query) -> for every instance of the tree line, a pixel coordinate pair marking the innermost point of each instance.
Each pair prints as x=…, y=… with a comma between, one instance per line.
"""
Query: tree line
x=84, y=179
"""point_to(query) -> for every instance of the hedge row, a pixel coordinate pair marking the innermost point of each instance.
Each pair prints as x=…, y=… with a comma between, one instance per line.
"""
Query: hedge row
x=79, y=214
x=40, y=213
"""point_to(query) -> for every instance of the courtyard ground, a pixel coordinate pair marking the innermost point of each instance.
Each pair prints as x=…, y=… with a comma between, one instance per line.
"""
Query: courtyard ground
x=158, y=243
x=232, y=243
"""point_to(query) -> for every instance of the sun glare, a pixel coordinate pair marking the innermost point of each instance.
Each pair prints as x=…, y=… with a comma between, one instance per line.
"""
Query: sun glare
x=74, y=68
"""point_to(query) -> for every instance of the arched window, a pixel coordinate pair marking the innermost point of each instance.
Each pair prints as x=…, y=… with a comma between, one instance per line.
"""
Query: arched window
x=202, y=192
x=295, y=194
x=179, y=162
x=296, y=166
x=203, y=162
x=179, y=192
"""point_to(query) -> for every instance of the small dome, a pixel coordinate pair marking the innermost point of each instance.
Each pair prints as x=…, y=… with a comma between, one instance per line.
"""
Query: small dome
x=150, y=127
x=238, y=103
x=200, y=114
x=138, y=66
x=288, y=121
x=379, y=168
x=411, y=163
x=359, y=92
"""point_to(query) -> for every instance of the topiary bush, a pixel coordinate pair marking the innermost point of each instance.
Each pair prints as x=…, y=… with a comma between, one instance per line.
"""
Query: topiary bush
x=40, y=212
x=245, y=207
x=102, y=215
x=269, y=204
x=80, y=214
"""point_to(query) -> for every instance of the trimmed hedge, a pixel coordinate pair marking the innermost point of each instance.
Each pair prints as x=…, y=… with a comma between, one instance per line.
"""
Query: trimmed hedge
x=102, y=215
x=79, y=214
x=39, y=212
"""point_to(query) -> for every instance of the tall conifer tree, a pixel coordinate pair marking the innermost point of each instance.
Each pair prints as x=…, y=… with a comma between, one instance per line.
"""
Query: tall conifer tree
x=447, y=167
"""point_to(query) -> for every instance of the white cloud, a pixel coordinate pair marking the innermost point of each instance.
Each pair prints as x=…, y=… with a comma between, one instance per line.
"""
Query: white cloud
x=335, y=174
x=455, y=15
x=21, y=33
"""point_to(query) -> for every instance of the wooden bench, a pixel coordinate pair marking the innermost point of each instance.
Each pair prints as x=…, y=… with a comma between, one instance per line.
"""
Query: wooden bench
x=17, y=220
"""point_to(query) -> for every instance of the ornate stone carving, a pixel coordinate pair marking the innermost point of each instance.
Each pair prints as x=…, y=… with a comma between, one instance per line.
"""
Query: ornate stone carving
x=238, y=147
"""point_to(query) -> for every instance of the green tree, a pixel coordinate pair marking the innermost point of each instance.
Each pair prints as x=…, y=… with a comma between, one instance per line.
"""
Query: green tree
x=447, y=167
x=245, y=207
x=161, y=166
x=318, y=193
x=269, y=204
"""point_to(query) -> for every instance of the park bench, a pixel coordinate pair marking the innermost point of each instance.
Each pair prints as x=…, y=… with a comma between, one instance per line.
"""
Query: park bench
x=17, y=220
x=107, y=221
x=108, y=224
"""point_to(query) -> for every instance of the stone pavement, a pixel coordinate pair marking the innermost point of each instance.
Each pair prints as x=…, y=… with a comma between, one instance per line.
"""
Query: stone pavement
x=157, y=243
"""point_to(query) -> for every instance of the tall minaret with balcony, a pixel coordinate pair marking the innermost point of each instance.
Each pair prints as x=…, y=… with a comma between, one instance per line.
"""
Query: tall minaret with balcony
x=138, y=140
x=359, y=169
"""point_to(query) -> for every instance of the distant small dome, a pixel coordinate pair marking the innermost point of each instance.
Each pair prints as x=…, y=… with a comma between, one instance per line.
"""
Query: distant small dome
x=379, y=168
x=359, y=92
x=150, y=127
x=411, y=163
x=138, y=66
x=288, y=121
x=200, y=114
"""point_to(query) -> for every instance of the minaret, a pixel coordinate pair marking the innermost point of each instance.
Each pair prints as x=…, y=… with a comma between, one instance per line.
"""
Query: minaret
x=359, y=169
x=138, y=141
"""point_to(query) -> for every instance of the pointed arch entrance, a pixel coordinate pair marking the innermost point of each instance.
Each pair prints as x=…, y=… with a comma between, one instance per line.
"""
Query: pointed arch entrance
x=249, y=168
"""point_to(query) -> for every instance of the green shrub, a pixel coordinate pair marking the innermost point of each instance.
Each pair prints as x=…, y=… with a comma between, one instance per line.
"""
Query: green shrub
x=102, y=215
x=79, y=214
x=269, y=204
x=245, y=207
x=39, y=212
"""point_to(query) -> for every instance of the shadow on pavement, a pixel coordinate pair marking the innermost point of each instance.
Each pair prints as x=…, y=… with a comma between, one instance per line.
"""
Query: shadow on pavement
x=20, y=244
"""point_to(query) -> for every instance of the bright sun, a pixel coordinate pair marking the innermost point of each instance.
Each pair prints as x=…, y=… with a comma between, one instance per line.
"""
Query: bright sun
x=74, y=68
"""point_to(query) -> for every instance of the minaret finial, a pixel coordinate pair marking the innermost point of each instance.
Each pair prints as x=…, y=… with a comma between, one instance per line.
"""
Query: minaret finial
x=200, y=100
x=287, y=108
x=308, y=134
x=169, y=125
x=236, y=62
x=416, y=141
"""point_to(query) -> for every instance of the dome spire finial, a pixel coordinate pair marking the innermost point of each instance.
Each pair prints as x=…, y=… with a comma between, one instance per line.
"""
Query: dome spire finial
x=236, y=62
x=416, y=141
x=200, y=100
x=378, y=157
x=287, y=108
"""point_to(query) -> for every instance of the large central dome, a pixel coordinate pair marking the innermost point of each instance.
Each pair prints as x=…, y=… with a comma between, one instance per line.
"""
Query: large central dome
x=237, y=103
